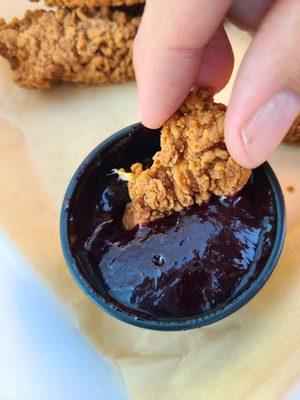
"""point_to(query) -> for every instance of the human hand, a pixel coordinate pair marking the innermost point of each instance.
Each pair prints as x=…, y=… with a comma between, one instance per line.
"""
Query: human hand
x=182, y=43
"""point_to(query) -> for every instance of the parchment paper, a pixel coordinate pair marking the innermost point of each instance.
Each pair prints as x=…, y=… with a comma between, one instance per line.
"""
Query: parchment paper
x=253, y=354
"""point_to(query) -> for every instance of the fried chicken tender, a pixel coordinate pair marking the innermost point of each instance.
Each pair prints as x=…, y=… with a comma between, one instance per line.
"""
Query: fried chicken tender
x=293, y=135
x=78, y=46
x=90, y=3
x=192, y=165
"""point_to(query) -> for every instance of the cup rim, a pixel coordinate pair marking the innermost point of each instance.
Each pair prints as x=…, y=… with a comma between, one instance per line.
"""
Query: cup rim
x=181, y=323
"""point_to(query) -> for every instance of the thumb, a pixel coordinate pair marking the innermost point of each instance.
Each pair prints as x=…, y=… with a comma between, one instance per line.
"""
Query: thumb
x=266, y=95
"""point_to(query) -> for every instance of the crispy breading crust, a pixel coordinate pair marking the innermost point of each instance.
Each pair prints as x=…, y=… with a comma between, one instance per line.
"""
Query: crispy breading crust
x=193, y=163
x=293, y=135
x=77, y=46
x=90, y=3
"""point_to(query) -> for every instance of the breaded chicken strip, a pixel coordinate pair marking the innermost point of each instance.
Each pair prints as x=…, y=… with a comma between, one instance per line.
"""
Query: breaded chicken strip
x=193, y=163
x=90, y=3
x=293, y=135
x=78, y=46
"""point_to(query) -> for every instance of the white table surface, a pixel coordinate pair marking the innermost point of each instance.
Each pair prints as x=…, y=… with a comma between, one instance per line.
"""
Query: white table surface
x=43, y=354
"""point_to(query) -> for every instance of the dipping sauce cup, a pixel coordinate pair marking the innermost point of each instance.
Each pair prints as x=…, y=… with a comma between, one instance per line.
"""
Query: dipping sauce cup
x=184, y=271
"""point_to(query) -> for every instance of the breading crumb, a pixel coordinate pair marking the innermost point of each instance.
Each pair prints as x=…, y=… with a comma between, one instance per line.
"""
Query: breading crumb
x=290, y=189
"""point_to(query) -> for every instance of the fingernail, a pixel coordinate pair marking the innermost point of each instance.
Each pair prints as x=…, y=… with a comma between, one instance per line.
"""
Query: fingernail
x=263, y=132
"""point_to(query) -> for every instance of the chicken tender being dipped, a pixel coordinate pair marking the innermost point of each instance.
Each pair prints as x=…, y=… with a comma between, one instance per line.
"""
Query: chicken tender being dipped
x=192, y=165
x=78, y=46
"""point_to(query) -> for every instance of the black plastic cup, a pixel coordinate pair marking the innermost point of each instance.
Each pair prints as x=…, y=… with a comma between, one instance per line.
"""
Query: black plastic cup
x=83, y=277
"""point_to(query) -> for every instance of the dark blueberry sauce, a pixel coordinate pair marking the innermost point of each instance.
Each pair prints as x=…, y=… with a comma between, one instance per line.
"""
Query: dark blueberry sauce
x=188, y=263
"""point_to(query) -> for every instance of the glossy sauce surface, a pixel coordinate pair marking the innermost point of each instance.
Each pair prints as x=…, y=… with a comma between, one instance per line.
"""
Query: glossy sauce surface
x=188, y=263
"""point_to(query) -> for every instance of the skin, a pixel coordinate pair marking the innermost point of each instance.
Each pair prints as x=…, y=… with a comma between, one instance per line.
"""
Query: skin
x=191, y=47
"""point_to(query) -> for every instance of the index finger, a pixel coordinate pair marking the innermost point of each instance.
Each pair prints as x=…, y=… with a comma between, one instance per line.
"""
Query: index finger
x=168, y=50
